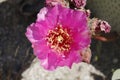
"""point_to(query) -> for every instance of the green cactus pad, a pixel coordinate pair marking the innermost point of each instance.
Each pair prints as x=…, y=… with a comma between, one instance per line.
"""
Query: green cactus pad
x=108, y=10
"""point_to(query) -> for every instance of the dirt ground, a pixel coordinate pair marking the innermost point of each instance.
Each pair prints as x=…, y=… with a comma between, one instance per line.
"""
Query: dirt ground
x=16, y=52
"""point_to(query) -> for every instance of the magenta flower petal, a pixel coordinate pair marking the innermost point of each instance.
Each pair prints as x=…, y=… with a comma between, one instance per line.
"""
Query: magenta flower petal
x=72, y=18
x=74, y=56
x=58, y=36
x=50, y=62
x=33, y=33
x=45, y=15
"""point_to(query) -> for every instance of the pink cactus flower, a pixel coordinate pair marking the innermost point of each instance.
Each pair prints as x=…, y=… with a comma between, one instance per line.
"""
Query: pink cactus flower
x=96, y=25
x=104, y=26
x=79, y=3
x=101, y=25
x=58, y=36
x=56, y=2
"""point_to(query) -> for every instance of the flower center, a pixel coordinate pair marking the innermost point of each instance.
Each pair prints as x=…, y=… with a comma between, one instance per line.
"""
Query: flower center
x=59, y=39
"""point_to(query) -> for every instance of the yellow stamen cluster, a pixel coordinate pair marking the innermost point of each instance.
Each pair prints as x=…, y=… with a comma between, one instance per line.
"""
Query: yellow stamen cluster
x=59, y=39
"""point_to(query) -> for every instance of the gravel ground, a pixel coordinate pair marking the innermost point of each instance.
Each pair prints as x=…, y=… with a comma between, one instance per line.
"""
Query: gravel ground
x=15, y=50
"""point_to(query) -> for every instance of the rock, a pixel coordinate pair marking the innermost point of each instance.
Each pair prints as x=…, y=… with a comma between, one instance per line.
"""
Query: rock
x=116, y=75
x=81, y=71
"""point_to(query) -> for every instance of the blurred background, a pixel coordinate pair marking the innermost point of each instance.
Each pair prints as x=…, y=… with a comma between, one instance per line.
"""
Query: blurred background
x=16, y=52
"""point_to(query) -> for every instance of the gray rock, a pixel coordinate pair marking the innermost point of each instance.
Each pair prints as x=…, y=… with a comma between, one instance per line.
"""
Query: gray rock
x=81, y=71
